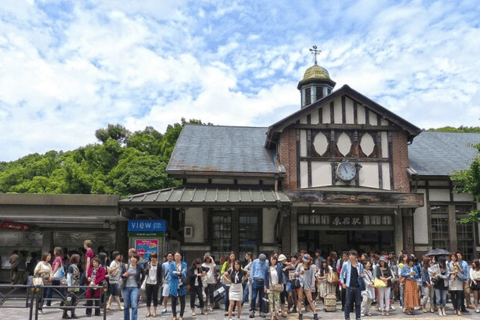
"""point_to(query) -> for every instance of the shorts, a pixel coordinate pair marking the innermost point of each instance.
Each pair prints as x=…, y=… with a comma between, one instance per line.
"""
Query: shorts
x=289, y=286
x=166, y=290
x=474, y=287
x=114, y=289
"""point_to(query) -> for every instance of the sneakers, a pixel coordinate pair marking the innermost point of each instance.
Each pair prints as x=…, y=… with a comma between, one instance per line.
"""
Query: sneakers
x=300, y=316
x=262, y=315
x=252, y=314
x=164, y=311
x=477, y=309
x=315, y=316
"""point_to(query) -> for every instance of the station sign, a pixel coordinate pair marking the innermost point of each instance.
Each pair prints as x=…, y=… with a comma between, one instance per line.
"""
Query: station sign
x=15, y=226
x=147, y=225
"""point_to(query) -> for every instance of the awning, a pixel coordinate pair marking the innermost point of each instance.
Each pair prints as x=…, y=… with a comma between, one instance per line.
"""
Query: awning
x=206, y=196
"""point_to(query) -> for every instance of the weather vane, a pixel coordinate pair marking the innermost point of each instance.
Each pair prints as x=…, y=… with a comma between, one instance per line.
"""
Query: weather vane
x=315, y=52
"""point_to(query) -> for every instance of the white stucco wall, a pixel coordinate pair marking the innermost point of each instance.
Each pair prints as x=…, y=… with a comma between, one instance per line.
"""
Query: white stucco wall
x=303, y=143
x=337, y=111
x=420, y=223
x=326, y=114
x=368, y=175
x=439, y=195
x=194, y=218
x=321, y=174
x=314, y=116
x=269, y=219
x=361, y=114
x=349, y=114
x=386, y=176
x=462, y=197
x=303, y=174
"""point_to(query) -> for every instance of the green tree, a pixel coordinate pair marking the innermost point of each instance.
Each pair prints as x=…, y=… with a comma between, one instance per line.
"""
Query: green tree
x=468, y=181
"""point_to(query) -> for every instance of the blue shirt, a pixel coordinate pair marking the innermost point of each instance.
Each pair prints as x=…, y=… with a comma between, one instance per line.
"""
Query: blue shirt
x=259, y=270
x=346, y=272
x=465, y=268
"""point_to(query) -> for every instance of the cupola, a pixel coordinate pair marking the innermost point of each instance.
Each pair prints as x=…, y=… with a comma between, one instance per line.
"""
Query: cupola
x=316, y=83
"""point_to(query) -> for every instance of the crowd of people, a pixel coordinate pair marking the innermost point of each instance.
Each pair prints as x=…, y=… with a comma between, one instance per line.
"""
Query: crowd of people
x=274, y=285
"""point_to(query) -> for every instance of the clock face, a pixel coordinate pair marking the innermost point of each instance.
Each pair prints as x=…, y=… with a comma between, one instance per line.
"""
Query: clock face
x=346, y=171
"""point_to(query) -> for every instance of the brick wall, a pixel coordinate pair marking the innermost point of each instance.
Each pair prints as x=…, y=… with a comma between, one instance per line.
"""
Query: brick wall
x=400, y=161
x=288, y=157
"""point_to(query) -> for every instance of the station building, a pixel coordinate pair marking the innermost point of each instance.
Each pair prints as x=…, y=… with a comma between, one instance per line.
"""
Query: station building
x=340, y=172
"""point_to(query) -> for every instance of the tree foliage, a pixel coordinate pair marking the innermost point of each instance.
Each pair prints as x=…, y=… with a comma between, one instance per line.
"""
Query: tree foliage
x=459, y=129
x=468, y=181
x=123, y=163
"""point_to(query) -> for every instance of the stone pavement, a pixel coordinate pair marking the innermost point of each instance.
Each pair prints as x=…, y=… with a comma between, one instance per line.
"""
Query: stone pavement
x=22, y=314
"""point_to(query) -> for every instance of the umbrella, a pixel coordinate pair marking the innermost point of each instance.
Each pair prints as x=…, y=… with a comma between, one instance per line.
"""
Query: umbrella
x=437, y=252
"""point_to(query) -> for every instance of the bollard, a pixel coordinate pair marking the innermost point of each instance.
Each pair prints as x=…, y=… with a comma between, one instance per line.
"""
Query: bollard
x=32, y=289
x=105, y=302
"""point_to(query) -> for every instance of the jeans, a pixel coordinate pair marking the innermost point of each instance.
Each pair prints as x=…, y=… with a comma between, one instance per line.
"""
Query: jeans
x=196, y=291
x=209, y=290
x=457, y=299
x=384, y=297
x=427, y=296
x=226, y=299
x=130, y=300
x=353, y=294
x=50, y=292
x=257, y=288
x=247, y=293
x=366, y=303
x=441, y=295
x=402, y=294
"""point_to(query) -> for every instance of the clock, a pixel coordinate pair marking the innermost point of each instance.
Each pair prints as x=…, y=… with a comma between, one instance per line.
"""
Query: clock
x=346, y=171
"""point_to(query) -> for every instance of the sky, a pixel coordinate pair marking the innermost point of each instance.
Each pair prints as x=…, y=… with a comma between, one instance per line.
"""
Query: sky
x=68, y=68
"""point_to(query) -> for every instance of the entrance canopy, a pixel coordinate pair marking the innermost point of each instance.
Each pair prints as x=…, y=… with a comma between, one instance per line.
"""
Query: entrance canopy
x=207, y=197
x=60, y=210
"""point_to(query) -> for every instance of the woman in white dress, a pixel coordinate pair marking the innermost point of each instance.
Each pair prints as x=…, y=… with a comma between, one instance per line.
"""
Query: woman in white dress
x=235, y=278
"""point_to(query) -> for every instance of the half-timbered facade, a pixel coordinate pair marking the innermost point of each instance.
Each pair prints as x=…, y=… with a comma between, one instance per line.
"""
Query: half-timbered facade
x=335, y=174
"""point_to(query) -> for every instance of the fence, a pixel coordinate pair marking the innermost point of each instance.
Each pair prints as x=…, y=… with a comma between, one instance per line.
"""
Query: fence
x=35, y=295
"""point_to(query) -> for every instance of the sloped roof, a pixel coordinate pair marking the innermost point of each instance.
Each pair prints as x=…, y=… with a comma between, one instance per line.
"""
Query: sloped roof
x=222, y=149
x=197, y=196
x=345, y=90
x=438, y=153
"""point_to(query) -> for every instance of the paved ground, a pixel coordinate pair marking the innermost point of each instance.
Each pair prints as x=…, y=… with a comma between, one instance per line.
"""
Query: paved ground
x=23, y=314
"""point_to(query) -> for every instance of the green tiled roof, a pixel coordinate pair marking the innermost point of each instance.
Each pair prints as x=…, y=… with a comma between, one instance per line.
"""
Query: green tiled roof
x=316, y=72
x=195, y=196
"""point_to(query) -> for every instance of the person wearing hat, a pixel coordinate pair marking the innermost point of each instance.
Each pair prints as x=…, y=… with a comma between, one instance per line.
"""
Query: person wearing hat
x=258, y=276
x=282, y=259
x=306, y=272
x=384, y=273
x=349, y=275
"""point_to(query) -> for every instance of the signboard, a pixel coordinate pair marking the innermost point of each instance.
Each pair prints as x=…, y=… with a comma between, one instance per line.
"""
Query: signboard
x=147, y=225
x=15, y=226
x=160, y=235
x=346, y=221
x=144, y=248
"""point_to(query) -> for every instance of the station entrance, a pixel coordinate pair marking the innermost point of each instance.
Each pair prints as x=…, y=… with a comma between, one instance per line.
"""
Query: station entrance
x=341, y=240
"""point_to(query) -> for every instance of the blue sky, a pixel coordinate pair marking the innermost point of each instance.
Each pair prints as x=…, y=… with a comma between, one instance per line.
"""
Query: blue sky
x=68, y=68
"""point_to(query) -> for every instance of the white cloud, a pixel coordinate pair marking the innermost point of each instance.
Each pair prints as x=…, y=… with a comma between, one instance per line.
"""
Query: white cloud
x=66, y=71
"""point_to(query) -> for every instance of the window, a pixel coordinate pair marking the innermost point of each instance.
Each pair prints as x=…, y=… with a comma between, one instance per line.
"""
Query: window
x=249, y=231
x=308, y=96
x=465, y=233
x=440, y=232
x=319, y=93
x=440, y=235
x=228, y=226
x=222, y=234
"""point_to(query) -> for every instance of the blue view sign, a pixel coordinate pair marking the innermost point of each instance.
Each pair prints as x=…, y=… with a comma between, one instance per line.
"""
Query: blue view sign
x=147, y=225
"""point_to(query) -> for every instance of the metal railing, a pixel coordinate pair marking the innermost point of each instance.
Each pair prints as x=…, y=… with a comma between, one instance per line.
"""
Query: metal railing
x=35, y=295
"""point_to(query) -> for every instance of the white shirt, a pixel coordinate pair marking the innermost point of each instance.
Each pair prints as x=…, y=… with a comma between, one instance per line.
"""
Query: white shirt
x=273, y=275
x=152, y=274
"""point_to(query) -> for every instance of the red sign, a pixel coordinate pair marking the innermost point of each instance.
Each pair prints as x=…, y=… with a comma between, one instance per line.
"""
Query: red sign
x=15, y=226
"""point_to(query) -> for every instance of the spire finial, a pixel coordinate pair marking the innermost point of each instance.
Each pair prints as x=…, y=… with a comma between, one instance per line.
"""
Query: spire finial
x=315, y=52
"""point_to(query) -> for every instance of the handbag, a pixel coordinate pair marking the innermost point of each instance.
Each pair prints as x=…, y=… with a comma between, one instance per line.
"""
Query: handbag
x=296, y=283
x=37, y=281
x=144, y=284
x=278, y=287
x=379, y=283
x=59, y=274
x=332, y=277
